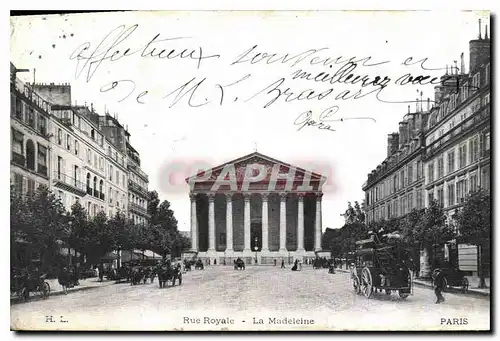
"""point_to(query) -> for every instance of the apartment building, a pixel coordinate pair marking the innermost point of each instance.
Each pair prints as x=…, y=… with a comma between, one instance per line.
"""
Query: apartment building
x=450, y=155
x=30, y=137
x=90, y=158
x=395, y=187
x=457, y=153
x=137, y=179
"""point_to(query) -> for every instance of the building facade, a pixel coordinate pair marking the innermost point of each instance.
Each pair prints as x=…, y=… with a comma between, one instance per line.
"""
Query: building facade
x=256, y=208
x=450, y=160
x=74, y=152
x=30, y=137
x=395, y=187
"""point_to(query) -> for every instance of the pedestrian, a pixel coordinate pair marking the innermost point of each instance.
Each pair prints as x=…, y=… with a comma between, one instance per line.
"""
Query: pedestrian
x=64, y=278
x=283, y=264
x=101, y=272
x=274, y=262
x=438, y=279
x=215, y=261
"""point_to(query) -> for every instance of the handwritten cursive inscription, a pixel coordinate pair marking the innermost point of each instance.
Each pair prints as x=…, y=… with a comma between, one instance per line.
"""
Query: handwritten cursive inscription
x=324, y=119
x=111, y=48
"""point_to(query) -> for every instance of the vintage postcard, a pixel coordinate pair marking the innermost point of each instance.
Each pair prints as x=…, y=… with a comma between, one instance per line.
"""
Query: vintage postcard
x=250, y=170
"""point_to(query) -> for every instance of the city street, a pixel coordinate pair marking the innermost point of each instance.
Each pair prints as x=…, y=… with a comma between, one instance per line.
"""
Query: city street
x=208, y=298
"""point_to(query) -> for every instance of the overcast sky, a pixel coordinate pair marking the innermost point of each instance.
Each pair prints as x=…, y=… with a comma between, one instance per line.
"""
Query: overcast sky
x=176, y=136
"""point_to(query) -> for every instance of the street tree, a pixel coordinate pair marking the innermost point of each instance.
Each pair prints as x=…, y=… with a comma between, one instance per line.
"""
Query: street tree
x=474, y=224
x=433, y=231
x=46, y=219
x=77, y=232
x=153, y=202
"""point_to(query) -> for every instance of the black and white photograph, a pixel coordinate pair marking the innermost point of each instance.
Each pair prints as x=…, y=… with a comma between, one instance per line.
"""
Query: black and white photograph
x=251, y=170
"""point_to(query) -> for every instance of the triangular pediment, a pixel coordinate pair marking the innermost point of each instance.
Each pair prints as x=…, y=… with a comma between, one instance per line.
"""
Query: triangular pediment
x=257, y=163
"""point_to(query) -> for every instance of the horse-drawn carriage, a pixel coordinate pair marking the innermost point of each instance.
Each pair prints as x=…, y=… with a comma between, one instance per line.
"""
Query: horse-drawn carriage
x=382, y=265
x=24, y=284
x=239, y=264
x=198, y=265
x=452, y=277
x=167, y=271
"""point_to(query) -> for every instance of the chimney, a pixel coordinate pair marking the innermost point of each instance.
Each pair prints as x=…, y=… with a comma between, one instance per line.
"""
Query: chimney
x=479, y=51
x=392, y=143
x=403, y=134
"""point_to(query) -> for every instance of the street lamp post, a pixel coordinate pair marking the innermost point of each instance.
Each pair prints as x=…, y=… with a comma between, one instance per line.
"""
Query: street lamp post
x=255, y=247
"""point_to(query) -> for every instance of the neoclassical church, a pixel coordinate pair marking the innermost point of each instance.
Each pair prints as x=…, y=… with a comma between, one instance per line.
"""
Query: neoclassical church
x=256, y=208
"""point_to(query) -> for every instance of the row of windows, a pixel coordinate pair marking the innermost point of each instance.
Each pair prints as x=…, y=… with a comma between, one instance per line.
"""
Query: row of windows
x=137, y=219
x=117, y=177
x=456, y=192
x=472, y=149
x=138, y=180
x=405, y=177
x=24, y=185
x=27, y=114
x=70, y=116
x=34, y=157
x=136, y=200
x=399, y=206
x=467, y=89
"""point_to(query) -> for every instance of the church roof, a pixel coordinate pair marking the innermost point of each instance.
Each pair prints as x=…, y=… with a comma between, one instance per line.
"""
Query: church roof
x=257, y=157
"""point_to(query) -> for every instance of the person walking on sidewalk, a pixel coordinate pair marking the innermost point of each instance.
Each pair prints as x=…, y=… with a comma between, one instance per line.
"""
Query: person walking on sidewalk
x=438, y=279
x=64, y=279
x=283, y=264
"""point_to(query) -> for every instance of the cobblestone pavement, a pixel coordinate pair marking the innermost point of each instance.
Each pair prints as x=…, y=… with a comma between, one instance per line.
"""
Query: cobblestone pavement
x=220, y=294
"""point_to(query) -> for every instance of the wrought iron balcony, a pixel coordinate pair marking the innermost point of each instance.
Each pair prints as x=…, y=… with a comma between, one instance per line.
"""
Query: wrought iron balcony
x=69, y=184
x=137, y=209
x=132, y=185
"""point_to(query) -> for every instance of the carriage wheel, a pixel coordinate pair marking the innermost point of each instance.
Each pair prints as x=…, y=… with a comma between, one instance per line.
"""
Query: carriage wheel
x=465, y=285
x=445, y=284
x=366, y=283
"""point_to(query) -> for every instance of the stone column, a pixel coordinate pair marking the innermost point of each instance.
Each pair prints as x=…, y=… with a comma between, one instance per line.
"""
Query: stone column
x=300, y=223
x=194, y=223
x=317, y=223
x=211, y=222
x=283, y=222
x=246, y=223
x=229, y=222
x=265, y=223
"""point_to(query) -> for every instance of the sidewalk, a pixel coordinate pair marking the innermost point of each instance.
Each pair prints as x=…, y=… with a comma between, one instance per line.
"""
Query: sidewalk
x=473, y=285
x=56, y=288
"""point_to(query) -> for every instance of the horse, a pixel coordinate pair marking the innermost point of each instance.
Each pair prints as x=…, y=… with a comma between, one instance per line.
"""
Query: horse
x=137, y=276
x=169, y=273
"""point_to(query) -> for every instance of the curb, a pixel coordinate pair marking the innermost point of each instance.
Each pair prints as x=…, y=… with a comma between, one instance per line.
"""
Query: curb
x=17, y=300
x=454, y=291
